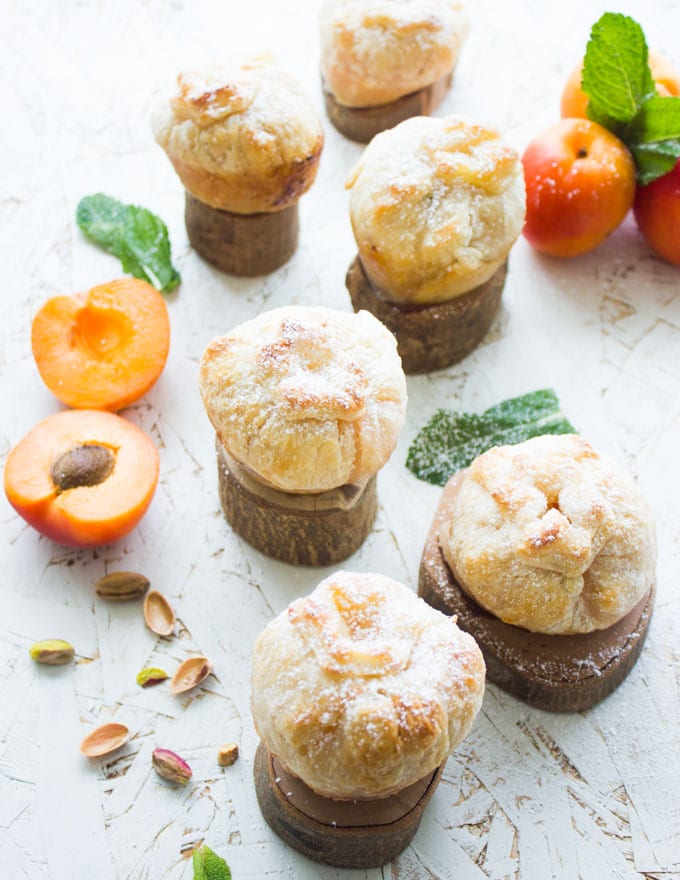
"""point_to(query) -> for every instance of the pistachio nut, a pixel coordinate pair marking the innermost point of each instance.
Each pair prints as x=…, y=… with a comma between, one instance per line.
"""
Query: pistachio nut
x=170, y=766
x=151, y=675
x=158, y=614
x=54, y=652
x=120, y=586
x=104, y=739
x=190, y=673
x=227, y=755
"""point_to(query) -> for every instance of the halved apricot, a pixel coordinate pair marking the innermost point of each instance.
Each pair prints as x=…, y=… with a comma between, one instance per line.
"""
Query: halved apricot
x=104, y=348
x=82, y=477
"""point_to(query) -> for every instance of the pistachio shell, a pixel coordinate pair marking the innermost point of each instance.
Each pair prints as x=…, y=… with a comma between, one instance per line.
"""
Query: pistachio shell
x=119, y=586
x=158, y=614
x=190, y=673
x=104, y=739
x=54, y=652
x=151, y=675
x=170, y=766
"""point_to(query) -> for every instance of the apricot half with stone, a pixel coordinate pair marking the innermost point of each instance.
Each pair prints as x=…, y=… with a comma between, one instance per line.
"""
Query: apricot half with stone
x=82, y=477
x=105, y=348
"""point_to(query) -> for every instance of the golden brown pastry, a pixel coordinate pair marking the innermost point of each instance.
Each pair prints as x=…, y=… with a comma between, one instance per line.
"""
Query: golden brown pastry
x=436, y=205
x=361, y=689
x=375, y=51
x=306, y=398
x=242, y=139
x=551, y=536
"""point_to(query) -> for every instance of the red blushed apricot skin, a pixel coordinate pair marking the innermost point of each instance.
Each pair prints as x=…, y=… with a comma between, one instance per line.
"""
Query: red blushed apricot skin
x=86, y=516
x=657, y=214
x=580, y=182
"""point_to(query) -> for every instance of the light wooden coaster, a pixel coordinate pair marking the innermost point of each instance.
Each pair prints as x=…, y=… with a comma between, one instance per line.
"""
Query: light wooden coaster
x=346, y=834
x=430, y=337
x=554, y=672
x=301, y=529
x=362, y=123
x=241, y=244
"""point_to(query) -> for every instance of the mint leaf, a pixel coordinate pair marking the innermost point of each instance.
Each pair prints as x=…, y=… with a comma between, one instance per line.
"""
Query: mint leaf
x=208, y=865
x=622, y=95
x=135, y=235
x=654, y=137
x=616, y=75
x=451, y=440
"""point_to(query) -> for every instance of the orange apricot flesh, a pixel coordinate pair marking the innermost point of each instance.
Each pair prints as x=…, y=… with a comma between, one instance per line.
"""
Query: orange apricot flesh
x=82, y=506
x=105, y=348
x=574, y=101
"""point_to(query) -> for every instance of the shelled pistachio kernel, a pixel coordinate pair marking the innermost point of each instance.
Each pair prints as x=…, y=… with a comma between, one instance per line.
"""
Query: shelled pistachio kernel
x=53, y=652
x=151, y=675
x=227, y=755
x=120, y=586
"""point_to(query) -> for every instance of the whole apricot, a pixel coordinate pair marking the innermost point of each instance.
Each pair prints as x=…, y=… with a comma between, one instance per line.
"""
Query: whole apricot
x=580, y=182
x=574, y=100
x=82, y=477
x=104, y=348
x=657, y=213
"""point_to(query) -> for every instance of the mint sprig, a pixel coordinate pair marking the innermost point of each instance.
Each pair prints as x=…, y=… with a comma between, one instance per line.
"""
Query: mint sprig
x=450, y=441
x=135, y=235
x=208, y=865
x=622, y=95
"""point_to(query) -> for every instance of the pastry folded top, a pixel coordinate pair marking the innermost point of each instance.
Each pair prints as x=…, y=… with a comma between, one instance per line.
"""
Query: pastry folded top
x=242, y=139
x=361, y=689
x=306, y=398
x=551, y=536
x=436, y=205
x=375, y=51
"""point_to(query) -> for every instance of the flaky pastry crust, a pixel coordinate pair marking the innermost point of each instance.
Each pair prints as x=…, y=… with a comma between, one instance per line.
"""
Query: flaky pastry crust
x=306, y=398
x=551, y=536
x=375, y=51
x=242, y=139
x=362, y=689
x=436, y=205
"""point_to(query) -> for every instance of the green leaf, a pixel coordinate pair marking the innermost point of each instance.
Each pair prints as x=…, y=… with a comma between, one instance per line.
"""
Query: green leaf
x=450, y=441
x=135, y=235
x=208, y=865
x=654, y=137
x=616, y=75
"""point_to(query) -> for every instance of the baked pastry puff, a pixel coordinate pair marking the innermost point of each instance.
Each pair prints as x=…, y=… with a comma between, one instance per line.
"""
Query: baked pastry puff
x=383, y=62
x=307, y=404
x=360, y=692
x=435, y=206
x=546, y=553
x=246, y=143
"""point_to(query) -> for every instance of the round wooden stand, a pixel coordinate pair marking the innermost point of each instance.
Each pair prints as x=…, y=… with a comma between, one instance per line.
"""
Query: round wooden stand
x=346, y=834
x=558, y=673
x=362, y=123
x=430, y=337
x=301, y=529
x=241, y=244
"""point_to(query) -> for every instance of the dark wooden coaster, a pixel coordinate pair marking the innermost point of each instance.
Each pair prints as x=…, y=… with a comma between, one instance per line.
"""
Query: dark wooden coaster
x=554, y=672
x=272, y=523
x=430, y=337
x=241, y=244
x=352, y=840
x=362, y=123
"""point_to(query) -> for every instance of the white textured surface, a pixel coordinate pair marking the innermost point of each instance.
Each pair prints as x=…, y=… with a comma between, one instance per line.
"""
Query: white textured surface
x=528, y=794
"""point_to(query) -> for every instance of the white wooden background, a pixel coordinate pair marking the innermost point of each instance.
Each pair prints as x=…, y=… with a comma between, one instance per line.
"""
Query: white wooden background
x=529, y=794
